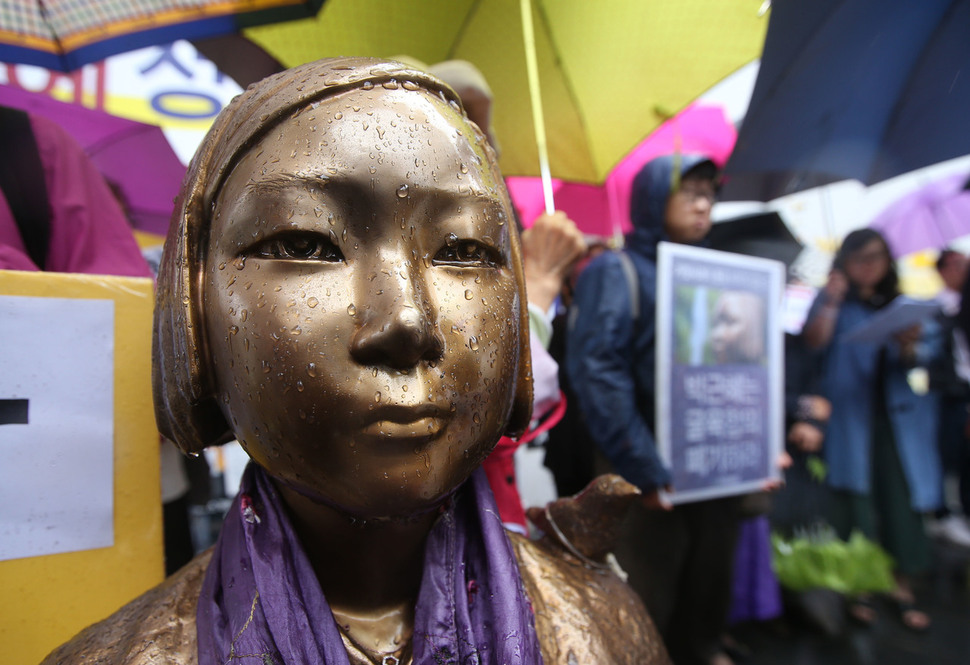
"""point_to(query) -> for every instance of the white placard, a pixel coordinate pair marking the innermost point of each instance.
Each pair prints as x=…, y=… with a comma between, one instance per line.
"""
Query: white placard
x=56, y=469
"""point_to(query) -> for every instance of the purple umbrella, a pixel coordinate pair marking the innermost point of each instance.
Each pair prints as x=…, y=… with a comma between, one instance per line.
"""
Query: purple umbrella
x=136, y=159
x=931, y=216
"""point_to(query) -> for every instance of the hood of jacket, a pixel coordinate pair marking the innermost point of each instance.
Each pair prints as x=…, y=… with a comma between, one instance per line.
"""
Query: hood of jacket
x=648, y=200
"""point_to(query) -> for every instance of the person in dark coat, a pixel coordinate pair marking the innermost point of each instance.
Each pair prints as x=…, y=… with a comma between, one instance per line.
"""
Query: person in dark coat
x=679, y=559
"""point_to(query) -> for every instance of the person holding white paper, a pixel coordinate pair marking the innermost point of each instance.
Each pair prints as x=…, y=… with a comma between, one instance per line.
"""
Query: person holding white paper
x=880, y=446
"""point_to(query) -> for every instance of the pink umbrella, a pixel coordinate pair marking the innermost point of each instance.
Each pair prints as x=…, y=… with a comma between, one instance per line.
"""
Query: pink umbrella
x=931, y=216
x=135, y=158
x=605, y=209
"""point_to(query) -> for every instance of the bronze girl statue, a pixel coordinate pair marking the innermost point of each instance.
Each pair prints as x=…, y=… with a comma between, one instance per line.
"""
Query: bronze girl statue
x=341, y=292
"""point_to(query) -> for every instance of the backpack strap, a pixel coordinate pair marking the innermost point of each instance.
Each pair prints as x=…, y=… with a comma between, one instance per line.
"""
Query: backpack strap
x=23, y=183
x=632, y=283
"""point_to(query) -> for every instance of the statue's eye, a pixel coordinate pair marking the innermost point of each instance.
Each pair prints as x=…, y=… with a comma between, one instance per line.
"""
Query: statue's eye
x=299, y=247
x=466, y=253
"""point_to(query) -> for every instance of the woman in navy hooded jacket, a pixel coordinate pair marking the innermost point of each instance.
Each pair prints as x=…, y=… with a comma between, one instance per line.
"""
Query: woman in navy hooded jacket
x=679, y=559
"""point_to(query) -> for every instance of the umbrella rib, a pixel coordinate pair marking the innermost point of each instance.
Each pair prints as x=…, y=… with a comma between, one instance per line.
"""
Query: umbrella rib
x=567, y=82
x=460, y=33
x=45, y=14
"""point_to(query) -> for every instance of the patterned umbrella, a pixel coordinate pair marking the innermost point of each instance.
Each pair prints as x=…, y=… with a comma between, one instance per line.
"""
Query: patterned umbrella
x=66, y=34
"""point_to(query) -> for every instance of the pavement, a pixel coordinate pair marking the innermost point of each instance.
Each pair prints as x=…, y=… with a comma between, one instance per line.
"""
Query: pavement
x=944, y=594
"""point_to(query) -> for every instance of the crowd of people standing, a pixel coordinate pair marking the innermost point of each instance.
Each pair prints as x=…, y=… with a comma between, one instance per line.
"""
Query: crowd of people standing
x=887, y=439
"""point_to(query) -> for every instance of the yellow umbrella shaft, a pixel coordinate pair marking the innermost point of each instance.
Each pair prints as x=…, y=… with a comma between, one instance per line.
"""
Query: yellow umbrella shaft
x=535, y=96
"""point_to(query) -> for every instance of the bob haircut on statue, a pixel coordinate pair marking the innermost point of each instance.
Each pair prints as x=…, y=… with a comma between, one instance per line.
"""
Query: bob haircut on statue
x=186, y=409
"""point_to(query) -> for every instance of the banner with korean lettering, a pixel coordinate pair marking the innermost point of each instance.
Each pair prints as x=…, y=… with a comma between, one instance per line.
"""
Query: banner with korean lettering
x=720, y=374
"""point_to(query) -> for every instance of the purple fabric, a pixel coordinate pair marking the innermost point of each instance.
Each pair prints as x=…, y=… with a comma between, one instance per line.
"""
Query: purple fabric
x=756, y=595
x=261, y=599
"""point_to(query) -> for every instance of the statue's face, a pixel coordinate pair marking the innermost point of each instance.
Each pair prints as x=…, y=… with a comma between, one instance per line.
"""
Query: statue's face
x=360, y=302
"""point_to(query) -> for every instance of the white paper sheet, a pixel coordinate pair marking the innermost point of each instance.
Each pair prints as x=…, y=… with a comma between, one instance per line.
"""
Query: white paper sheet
x=901, y=313
x=56, y=471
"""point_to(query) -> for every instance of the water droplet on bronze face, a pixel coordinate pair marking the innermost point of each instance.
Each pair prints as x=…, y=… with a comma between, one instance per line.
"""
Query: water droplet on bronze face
x=477, y=419
x=311, y=302
x=469, y=295
x=351, y=310
x=233, y=330
x=299, y=386
x=377, y=396
x=473, y=343
x=402, y=192
x=311, y=369
x=338, y=115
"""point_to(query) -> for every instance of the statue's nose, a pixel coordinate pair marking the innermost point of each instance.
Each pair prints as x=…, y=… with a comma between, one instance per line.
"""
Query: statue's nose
x=397, y=326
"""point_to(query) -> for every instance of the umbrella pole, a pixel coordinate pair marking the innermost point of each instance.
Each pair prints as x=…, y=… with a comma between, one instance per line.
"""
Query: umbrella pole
x=532, y=68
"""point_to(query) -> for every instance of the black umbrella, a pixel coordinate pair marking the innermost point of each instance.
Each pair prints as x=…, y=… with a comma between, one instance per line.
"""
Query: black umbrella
x=763, y=234
x=854, y=89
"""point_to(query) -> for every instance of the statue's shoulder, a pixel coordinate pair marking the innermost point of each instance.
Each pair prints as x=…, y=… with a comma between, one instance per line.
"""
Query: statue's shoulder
x=585, y=612
x=157, y=627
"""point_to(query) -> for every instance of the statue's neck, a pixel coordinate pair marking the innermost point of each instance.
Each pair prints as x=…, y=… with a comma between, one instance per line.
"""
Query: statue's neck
x=370, y=573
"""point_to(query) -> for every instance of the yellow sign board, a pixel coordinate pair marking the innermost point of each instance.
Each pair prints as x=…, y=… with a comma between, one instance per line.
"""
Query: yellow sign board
x=49, y=598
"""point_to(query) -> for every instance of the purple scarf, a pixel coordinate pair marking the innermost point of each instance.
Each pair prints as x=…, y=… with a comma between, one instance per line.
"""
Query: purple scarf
x=261, y=603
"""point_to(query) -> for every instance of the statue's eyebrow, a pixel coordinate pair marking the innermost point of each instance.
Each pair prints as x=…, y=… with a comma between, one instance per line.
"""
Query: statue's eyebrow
x=278, y=182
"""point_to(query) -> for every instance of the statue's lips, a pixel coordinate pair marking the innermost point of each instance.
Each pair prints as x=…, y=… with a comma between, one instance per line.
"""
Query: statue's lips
x=399, y=422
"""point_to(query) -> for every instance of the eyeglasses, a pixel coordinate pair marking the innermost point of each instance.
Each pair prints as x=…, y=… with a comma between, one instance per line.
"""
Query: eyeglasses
x=693, y=194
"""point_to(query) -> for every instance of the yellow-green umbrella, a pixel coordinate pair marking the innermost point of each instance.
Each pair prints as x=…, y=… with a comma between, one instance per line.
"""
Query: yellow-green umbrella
x=611, y=70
